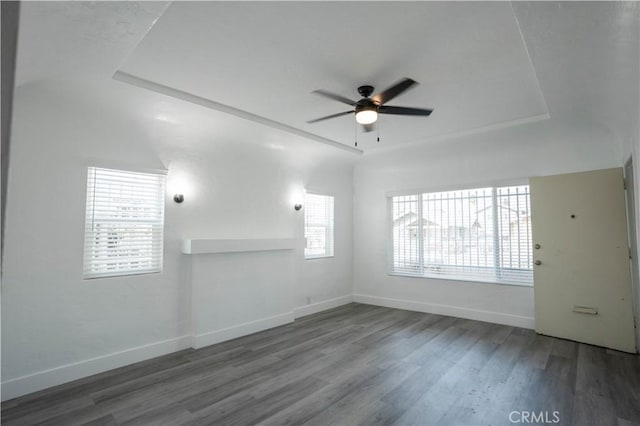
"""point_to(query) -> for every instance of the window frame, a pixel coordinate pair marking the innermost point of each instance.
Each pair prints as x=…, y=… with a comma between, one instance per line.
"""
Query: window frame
x=419, y=192
x=87, y=276
x=329, y=231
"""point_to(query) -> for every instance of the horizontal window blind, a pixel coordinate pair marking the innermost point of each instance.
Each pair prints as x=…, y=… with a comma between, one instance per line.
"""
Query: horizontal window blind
x=516, y=247
x=124, y=223
x=318, y=225
x=478, y=234
x=405, y=235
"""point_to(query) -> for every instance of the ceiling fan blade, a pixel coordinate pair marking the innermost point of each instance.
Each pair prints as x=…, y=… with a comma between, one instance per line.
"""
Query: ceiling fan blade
x=404, y=110
x=393, y=91
x=334, y=97
x=340, y=114
x=368, y=127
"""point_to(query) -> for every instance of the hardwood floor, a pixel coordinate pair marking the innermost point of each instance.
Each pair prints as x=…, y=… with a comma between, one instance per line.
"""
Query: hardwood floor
x=357, y=365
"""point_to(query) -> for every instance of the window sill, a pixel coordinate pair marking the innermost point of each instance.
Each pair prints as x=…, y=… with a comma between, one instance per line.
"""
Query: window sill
x=460, y=279
x=119, y=274
x=318, y=257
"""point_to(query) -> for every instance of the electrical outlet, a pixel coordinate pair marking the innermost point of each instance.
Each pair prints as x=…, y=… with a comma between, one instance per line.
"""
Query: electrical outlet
x=308, y=300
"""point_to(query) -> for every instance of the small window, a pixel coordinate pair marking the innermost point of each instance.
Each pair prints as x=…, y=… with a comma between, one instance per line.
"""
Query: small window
x=318, y=226
x=124, y=223
x=479, y=234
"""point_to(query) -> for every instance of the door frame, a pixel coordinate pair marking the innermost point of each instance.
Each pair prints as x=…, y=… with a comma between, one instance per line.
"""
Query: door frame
x=630, y=196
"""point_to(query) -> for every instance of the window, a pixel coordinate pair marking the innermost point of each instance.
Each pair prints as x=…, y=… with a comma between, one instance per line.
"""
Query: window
x=124, y=223
x=318, y=225
x=476, y=234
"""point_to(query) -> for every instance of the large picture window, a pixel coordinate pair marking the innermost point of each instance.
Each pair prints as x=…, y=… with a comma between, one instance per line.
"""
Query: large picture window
x=479, y=234
x=318, y=226
x=124, y=223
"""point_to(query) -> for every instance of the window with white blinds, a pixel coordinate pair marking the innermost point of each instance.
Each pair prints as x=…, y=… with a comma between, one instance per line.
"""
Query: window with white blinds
x=318, y=225
x=124, y=223
x=476, y=235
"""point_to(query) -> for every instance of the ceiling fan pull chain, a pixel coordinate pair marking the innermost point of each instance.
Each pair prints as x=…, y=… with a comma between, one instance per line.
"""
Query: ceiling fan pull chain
x=378, y=130
x=355, y=133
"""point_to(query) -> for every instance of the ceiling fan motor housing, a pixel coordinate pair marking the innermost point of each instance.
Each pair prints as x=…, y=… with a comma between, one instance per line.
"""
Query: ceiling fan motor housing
x=366, y=104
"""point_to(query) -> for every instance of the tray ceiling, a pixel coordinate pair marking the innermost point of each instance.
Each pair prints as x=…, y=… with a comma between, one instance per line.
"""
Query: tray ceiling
x=266, y=58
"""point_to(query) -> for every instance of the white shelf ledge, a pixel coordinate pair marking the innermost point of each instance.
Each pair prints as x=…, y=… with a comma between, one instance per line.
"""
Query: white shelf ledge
x=213, y=246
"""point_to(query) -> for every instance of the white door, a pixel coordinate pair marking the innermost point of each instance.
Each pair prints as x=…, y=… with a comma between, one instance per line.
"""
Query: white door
x=582, y=281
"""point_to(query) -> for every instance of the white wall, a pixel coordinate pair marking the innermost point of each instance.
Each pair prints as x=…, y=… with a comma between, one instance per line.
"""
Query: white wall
x=57, y=326
x=631, y=149
x=636, y=160
x=537, y=149
x=235, y=294
x=325, y=278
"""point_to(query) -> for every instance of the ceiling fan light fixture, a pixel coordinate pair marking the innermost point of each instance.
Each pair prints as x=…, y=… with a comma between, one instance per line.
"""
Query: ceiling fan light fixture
x=366, y=116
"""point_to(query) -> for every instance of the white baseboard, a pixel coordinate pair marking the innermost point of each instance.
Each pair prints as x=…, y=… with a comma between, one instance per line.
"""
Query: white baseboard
x=23, y=385
x=41, y=380
x=217, y=336
x=322, y=306
x=454, y=311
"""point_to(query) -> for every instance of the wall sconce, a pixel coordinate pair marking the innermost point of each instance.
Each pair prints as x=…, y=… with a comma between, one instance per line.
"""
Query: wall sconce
x=178, y=198
x=297, y=207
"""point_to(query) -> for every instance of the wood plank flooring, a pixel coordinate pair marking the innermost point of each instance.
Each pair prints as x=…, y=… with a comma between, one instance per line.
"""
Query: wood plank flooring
x=357, y=365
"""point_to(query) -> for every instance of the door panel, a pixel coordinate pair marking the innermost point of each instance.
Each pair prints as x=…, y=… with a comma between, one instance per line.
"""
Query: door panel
x=579, y=222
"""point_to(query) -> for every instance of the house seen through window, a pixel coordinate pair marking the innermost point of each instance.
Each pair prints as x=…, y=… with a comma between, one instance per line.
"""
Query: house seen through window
x=479, y=234
x=124, y=223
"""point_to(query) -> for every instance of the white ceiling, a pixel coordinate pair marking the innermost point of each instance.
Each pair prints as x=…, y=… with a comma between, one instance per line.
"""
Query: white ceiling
x=79, y=40
x=481, y=65
x=586, y=56
x=265, y=58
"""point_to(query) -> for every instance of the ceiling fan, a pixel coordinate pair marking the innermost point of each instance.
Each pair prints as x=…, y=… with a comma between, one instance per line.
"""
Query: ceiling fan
x=368, y=108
